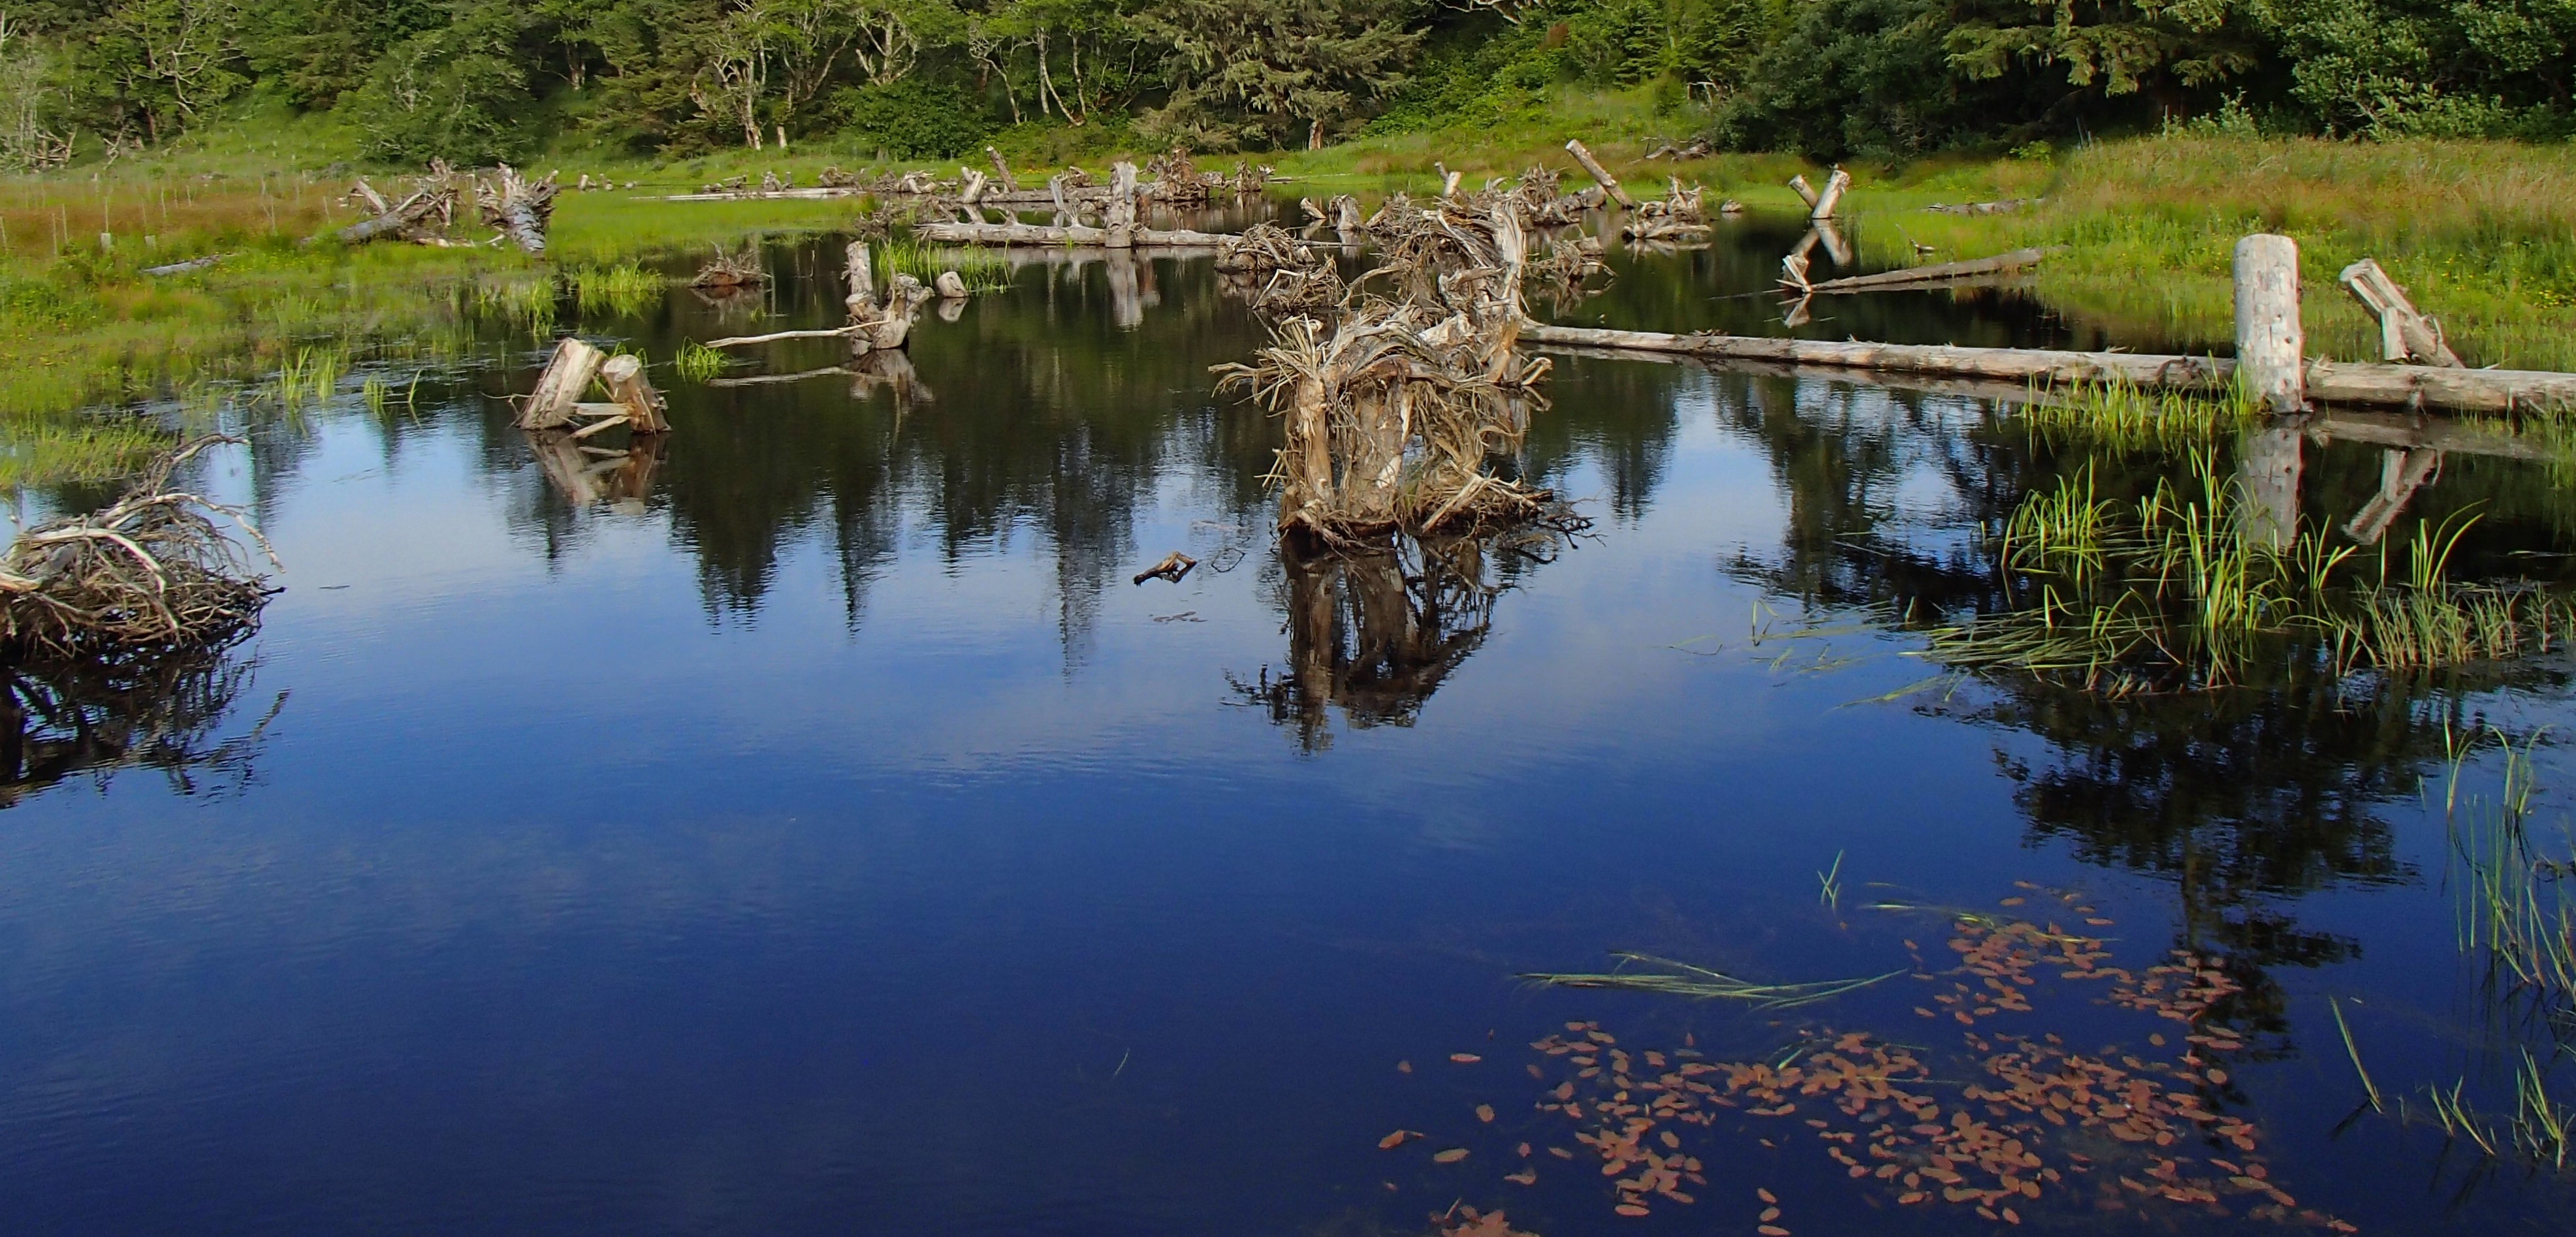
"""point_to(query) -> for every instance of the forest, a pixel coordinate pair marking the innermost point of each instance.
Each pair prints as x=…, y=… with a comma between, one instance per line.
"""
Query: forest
x=479, y=80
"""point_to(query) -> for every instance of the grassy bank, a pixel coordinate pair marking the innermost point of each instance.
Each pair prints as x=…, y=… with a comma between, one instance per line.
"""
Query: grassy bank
x=2484, y=234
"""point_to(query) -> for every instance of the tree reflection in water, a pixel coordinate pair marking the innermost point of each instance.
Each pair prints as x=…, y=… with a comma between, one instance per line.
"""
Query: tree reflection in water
x=1375, y=631
x=60, y=718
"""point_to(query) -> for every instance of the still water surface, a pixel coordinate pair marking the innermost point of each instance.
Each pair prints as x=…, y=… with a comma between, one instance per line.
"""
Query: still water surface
x=812, y=829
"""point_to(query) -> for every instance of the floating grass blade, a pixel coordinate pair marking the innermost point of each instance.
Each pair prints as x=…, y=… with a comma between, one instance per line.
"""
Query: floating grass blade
x=2368, y=1087
x=1700, y=983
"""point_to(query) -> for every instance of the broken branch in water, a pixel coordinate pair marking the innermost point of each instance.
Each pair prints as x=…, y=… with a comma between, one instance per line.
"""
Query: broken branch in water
x=1172, y=568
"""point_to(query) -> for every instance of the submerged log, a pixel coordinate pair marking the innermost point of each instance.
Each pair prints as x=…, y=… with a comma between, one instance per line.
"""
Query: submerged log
x=2017, y=260
x=1609, y=183
x=561, y=386
x=2425, y=386
x=2405, y=333
x=2269, y=338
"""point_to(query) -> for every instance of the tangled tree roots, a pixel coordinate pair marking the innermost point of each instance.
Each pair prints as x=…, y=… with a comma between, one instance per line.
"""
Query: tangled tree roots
x=519, y=207
x=1394, y=412
x=155, y=570
x=1277, y=271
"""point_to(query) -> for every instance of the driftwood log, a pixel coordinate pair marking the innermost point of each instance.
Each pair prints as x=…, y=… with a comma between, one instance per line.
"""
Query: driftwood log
x=2494, y=391
x=1937, y=273
x=2405, y=333
x=1002, y=169
x=1074, y=234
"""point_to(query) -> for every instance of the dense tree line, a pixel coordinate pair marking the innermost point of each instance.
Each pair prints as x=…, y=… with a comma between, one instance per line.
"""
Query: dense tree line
x=479, y=79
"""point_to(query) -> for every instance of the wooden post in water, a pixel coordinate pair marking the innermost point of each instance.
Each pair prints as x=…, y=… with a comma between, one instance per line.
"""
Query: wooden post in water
x=2270, y=343
x=626, y=383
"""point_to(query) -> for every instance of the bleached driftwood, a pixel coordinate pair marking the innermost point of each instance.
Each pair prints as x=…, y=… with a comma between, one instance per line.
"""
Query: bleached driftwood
x=633, y=393
x=1046, y=234
x=862, y=297
x=2405, y=333
x=2496, y=391
x=1002, y=169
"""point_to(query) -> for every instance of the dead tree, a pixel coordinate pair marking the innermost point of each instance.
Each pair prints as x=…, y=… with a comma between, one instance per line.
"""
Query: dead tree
x=1002, y=169
x=519, y=207
x=1609, y=183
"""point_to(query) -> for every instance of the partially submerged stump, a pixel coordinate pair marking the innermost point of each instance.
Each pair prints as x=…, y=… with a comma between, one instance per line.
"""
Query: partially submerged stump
x=1394, y=410
x=519, y=207
x=153, y=571
x=567, y=377
x=727, y=270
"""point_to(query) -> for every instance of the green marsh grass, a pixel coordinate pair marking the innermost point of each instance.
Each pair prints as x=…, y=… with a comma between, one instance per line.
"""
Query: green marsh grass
x=625, y=290
x=984, y=270
x=2125, y=419
x=697, y=362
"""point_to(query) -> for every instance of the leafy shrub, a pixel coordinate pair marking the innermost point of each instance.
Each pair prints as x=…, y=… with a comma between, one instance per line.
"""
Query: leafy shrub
x=449, y=93
x=912, y=119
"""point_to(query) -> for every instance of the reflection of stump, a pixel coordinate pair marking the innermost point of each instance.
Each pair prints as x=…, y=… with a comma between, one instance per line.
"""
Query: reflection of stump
x=2268, y=480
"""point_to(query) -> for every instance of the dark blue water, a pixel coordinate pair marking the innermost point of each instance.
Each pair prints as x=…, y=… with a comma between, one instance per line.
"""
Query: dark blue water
x=819, y=833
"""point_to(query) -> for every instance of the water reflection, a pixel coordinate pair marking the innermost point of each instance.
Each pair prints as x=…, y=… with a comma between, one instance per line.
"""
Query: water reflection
x=62, y=718
x=1373, y=632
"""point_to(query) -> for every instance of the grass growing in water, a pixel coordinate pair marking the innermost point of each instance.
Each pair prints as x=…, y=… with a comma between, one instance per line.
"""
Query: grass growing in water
x=2124, y=419
x=625, y=289
x=983, y=269
x=697, y=362
x=2185, y=589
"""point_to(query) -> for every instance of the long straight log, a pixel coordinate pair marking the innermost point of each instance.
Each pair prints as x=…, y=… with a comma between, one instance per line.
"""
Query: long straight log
x=1609, y=183
x=2019, y=259
x=1077, y=234
x=2432, y=387
x=839, y=332
x=393, y=221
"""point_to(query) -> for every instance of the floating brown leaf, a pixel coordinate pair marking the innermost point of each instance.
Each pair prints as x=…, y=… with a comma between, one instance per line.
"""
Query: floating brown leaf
x=1485, y=1113
x=1450, y=1156
x=1465, y=1058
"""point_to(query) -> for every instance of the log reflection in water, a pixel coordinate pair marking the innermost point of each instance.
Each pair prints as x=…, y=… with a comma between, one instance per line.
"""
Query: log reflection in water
x=588, y=474
x=62, y=717
x=1374, y=631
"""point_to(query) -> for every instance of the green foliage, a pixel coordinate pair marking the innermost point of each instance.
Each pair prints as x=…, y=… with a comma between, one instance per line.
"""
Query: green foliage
x=1284, y=72
x=455, y=92
x=912, y=119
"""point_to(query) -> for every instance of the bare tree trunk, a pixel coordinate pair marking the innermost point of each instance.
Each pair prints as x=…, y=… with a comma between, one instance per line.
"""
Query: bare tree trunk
x=626, y=383
x=1002, y=168
x=862, y=299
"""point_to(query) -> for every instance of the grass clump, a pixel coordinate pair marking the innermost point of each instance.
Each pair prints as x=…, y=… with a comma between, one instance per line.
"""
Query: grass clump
x=697, y=362
x=625, y=289
x=984, y=270
x=2125, y=419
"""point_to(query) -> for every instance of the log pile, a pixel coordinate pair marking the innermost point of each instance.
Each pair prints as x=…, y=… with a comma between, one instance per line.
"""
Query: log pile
x=1395, y=408
x=1277, y=272
x=519, y=207
x=155, y=571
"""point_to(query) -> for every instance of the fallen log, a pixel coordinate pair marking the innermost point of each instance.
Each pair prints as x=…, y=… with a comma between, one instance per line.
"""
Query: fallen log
x=1074, y=234
x=2017, y=260
x=2006, y=206
x=394, y=221
x=2493, y=391
x=182, y=268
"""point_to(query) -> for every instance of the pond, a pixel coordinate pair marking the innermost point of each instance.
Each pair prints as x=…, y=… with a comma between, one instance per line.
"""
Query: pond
x=805, y=825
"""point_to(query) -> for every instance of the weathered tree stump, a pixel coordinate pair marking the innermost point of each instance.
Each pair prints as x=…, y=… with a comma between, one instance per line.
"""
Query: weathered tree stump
x=1002, y=169
x=862, y=298
x=561, y=386
x=2405, y=333
x=2270, y=342
x=1119, y=217
x=949, y=286
x=634, y=393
